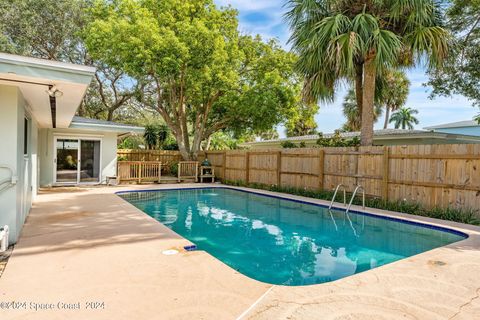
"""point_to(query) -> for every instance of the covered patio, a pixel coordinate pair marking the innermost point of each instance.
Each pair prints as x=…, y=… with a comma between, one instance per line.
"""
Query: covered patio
x=87, y=247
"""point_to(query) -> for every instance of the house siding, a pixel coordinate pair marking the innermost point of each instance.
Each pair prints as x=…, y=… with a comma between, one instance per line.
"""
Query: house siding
x=16, y=200
x=471, y=131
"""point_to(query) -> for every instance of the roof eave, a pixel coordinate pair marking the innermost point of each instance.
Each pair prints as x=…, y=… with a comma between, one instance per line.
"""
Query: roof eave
x=122, y=129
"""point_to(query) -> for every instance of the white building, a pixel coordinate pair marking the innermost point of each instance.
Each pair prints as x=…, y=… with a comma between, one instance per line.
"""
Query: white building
x=42, y=143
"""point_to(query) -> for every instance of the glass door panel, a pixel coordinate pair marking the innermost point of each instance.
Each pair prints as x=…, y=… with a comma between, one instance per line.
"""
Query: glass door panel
x=89, y=161
x=67, y=161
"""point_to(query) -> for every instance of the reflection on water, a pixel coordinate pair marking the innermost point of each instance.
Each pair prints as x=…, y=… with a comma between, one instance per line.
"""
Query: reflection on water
x=284, y=242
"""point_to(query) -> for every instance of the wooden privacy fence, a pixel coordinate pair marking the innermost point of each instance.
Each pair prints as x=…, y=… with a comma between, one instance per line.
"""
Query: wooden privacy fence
x=166, y=157
x=433, y=175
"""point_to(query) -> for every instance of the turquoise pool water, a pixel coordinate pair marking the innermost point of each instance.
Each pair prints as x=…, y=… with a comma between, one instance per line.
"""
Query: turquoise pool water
x=285, y=242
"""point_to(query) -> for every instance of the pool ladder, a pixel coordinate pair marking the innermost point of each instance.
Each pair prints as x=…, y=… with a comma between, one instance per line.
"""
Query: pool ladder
x=359, y=187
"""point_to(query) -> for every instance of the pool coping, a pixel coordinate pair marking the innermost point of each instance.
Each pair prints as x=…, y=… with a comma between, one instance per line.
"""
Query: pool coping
x=271, y=300
x=441, y=283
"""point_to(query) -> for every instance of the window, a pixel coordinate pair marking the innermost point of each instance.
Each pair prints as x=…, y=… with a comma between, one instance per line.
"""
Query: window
x=25, y=136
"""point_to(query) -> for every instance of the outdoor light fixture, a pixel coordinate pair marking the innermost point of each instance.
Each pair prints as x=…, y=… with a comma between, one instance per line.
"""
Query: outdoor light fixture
x=54, y=92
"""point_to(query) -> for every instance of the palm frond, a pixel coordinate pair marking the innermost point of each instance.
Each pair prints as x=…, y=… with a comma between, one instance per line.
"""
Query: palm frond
x=429, y=41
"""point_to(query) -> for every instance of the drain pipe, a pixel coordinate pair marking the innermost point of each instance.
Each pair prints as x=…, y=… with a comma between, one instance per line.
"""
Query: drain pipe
x=4, y=239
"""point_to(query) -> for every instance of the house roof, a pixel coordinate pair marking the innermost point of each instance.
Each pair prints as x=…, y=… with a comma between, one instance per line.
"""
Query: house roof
x=458, y=124
x=347, y=135
x=379, y=135
x=95, y=124
x=36, y=77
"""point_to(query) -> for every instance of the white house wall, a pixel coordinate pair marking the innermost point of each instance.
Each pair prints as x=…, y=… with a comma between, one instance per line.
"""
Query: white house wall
x=15, y=202
x=47, y=150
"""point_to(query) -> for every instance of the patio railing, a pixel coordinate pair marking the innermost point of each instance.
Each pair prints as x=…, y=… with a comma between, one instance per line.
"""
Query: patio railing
x=139, y=171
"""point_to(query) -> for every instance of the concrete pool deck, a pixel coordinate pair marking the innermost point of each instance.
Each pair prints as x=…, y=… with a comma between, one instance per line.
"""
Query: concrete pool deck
x=88, y=246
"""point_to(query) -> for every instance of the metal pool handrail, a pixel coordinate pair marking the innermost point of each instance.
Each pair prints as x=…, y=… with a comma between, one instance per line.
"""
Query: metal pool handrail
x=353, y=197
x=335, y=195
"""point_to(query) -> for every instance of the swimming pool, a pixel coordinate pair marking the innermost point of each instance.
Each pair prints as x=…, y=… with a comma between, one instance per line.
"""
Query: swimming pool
x=286, y=242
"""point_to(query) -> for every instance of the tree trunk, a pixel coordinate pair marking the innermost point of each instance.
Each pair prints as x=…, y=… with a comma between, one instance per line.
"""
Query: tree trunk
x=182, y=148
x=110, y=115
x=359, y=86
x=209, y=140
x=366, y=135
x=387, y=116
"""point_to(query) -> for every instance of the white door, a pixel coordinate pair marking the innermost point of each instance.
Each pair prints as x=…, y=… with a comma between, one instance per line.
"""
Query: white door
x=77, y=160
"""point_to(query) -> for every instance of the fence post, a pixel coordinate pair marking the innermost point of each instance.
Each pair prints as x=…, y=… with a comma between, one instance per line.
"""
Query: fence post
x=247, y=167
x=385, y=172
x=279, y=168
x=321, y=165
x=159, y=171
x=139, y=172
x=224, y=167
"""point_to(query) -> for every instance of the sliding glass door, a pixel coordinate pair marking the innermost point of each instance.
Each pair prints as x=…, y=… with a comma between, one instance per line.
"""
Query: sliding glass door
x=89, y=160
x=77, y=161
x=67, y=160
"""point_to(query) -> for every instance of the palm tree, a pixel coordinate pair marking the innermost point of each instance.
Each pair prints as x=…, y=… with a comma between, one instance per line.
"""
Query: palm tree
x=354, y=40
x=351, y=112
x=393, y=88
x=404, y=118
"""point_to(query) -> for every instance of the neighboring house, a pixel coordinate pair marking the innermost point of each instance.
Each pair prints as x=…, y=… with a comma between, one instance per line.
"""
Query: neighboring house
x=381, y=137
x=469, y=127
x=42, y=143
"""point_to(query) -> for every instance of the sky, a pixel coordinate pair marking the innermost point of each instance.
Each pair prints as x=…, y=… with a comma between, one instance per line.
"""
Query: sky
x=265, y=17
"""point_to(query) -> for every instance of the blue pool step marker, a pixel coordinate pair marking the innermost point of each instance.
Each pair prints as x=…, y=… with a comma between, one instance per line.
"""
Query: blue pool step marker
x=190, y=247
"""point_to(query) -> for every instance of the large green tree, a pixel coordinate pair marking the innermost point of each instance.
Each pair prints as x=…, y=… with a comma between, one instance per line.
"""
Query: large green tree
x=461, y=74
x=354, y=40
x=51, y=29
x=198, y=72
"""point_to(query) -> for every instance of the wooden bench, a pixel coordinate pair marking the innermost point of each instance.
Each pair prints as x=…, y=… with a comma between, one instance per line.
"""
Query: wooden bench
x=188, y=170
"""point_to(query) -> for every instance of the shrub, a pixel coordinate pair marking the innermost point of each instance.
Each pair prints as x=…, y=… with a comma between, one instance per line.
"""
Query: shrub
x=288, y=145
x=174, y=169
x=463, y=215
x=337, y=141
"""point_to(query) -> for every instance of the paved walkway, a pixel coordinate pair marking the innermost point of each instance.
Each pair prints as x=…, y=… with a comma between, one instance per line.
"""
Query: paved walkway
x=88, y=248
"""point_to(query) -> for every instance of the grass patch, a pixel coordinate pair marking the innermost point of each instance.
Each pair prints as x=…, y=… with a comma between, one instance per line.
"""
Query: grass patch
x=463, y=215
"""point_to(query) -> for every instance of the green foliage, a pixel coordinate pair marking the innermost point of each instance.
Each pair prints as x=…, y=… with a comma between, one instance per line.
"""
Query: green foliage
x=337, y=141
x=222, y=141
x=157, y=136
x=170, y=144
x=131, y=142
x=51, y=29
x=35, y=28
x=356, y=40
x=464, y=215
x=288, y=145
x=404, y=118
x=197, y=71
x=301, y=121
x=151, y=136
x=392, y=89
x=461, y=74
x=174, y=169
x=352, y=113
